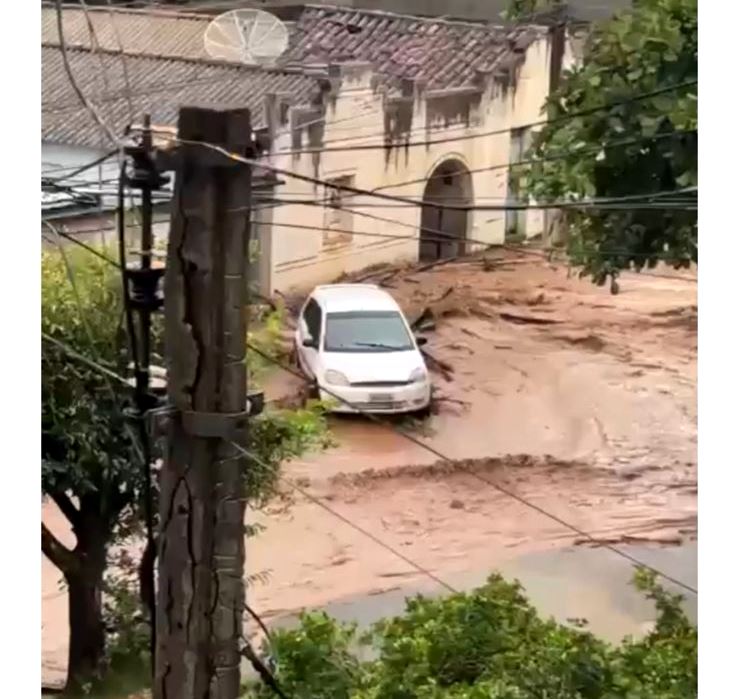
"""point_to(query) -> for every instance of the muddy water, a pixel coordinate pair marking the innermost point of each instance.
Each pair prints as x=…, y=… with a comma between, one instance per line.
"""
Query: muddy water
x=607, y=388
x=612, y=380
x=588, y=413
x=447, y=520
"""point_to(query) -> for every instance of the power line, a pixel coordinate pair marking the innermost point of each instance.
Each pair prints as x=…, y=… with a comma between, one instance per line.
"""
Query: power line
x=70, y=75
x=616, y=203
x=85, y=360
x=79, y=170
x=496, y=132
x=78, y=299
x=124, y=64
x=390, y=197
x=297, y=198
x=85, y=246
x=430, y=234
x=346, y=520
x=432, y=450
x=439, y=237
x=671, y=196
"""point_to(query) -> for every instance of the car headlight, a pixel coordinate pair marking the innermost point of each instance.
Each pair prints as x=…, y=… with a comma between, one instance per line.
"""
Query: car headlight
x=418, y=375
x=336, y=378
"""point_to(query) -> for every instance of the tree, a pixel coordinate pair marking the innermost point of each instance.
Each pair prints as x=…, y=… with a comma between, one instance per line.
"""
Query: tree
x=87, y=449
x=487, y=644
x=530, y=10
x=91, y=466
x=644, y=146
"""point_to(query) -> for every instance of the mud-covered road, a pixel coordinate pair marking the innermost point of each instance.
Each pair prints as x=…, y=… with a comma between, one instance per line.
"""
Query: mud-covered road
x=576, y=400
x=580, y=401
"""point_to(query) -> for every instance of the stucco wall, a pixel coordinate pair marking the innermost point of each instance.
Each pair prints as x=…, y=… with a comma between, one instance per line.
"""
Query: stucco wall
x=301, y=258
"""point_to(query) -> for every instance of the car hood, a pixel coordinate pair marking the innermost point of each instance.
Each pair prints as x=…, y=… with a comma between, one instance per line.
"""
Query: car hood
x=359, y=367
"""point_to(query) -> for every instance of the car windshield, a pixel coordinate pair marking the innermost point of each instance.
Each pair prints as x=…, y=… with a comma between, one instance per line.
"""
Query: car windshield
x=366, y=331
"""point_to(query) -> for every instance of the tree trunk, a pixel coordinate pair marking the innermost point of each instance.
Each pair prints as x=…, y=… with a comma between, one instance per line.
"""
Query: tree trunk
x=86, y=628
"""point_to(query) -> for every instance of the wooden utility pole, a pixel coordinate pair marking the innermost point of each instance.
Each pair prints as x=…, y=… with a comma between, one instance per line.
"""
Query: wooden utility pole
x=202, y=499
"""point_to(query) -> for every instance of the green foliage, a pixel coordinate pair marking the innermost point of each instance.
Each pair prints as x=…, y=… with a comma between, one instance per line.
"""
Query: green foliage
x=265, y=334
x=85, y=447
x=276, y=437
x=126, y=625
x=651, y=46
x=526, y=10
x=316, y=660
x=487, y=644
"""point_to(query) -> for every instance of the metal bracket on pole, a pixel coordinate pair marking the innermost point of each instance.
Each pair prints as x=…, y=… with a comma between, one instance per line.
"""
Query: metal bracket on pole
x=214, y=425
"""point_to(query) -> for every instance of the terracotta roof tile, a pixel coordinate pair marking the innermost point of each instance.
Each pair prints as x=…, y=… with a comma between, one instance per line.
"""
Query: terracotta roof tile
x=147, y=32
x=444, y=53
x=159, y=87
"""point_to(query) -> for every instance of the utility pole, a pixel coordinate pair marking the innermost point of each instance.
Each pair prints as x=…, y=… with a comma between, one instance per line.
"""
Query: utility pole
x=202, y=500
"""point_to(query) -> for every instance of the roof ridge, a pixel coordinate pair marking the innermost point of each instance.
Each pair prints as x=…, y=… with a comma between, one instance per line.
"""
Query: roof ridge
x=202, y=16
x=482, y=24
x=123, y=10
x=178, y=59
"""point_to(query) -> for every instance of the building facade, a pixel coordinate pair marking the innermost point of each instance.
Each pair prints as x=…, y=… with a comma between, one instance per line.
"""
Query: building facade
x=427, y=115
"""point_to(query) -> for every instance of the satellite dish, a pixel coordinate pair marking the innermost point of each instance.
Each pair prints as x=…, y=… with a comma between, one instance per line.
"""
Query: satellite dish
x=253, y=37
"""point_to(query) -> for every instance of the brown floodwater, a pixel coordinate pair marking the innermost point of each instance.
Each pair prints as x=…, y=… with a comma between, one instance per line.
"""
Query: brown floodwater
x=580, y=402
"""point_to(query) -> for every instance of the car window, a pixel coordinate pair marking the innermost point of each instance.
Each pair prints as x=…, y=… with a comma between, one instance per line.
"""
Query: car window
x=366, y=331
x=312, y=316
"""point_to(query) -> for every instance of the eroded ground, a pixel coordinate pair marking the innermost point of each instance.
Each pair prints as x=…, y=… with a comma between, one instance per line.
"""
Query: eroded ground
x=581, y=402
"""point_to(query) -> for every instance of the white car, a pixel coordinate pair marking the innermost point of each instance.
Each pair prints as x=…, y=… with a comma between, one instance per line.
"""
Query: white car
x=355, y=343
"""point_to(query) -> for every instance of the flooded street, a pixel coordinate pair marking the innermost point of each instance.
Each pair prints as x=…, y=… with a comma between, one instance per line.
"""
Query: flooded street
x=553, y=390
x=582, y=402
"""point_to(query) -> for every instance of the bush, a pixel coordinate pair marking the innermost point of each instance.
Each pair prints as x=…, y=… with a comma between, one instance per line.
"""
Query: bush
x=488, y=644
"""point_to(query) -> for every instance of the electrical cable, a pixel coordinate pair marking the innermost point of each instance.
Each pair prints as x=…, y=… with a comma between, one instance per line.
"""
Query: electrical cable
x=615, y=203
x=432, y=235
x=429, y=236
x=261, y=669
x=79, y=170
x=124, y=64
x=128, y=310
x=390, y=197
x=443, y=457
x=85, y=246
x=496, y=132
x=317, y=501
x=143, y=433
x=70, y=76
x=85, y=360
x=88, y=331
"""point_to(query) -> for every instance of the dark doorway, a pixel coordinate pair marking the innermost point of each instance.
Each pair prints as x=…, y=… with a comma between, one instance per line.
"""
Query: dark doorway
x=444, y=227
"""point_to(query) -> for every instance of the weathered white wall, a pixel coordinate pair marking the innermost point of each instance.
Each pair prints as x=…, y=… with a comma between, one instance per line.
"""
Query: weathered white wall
x=356, y=113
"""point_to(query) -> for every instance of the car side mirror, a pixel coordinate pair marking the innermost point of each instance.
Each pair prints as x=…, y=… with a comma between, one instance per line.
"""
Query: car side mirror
x=309, y=342
x=421, y=341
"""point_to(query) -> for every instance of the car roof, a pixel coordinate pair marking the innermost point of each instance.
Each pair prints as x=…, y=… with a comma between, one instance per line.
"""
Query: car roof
x=338, y=298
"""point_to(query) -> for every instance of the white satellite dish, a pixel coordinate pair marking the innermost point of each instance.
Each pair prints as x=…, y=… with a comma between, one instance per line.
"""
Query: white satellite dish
x=253, y=37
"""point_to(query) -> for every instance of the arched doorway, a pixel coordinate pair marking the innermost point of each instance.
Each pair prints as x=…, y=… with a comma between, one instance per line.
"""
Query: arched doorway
x=444, y=229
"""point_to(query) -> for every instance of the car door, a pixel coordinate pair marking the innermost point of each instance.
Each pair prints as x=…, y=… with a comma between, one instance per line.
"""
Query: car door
x=309, y=328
